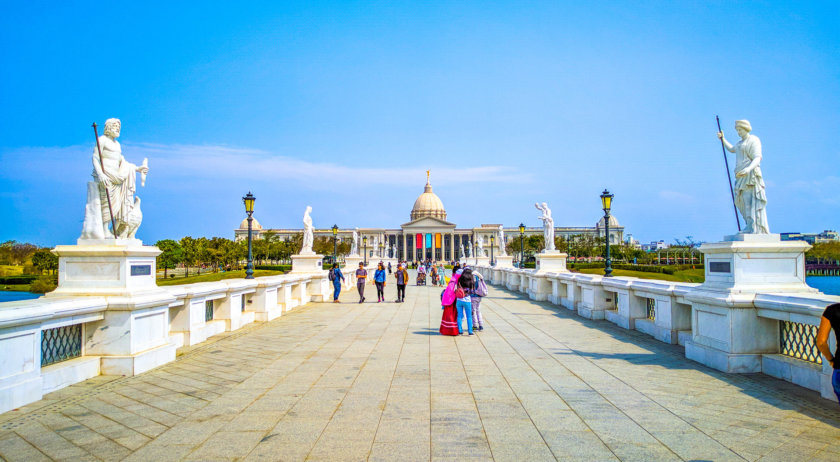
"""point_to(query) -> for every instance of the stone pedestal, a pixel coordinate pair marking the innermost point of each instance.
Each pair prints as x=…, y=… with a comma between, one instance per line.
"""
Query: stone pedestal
x=105, y=267
x=132, y=337
x=727, y=333
x=504, y=262
x=551, y=262
x=484, y=261
x=307, y=263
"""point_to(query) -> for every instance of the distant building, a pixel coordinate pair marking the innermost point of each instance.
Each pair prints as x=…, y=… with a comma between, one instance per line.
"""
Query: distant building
x=813, y=238
x=655, y=245
x=429, y=234
x=632, y=243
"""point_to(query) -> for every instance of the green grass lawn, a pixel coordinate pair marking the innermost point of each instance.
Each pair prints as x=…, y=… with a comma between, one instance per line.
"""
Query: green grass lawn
x=211, y=277
x=15, y=287
x=691, y=275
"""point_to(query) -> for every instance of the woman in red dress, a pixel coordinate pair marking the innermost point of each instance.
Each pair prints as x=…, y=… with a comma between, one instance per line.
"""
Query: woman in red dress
x=449, y=321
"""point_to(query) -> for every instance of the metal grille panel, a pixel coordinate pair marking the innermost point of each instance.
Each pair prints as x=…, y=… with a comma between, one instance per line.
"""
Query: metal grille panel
x=60, y=344
x=208, y=310
x=799, y=341
x=651, y=308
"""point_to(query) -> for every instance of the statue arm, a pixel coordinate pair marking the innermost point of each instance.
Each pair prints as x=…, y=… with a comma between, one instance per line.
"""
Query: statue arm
x=97, y=164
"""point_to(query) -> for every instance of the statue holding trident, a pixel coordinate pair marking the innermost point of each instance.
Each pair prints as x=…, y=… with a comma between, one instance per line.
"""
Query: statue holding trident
x=501, y=239
x=548, y=226
x=110, y=196
x=354, y=247
x=750, y=197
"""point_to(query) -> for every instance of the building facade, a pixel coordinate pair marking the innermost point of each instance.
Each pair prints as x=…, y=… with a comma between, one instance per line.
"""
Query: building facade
x=428, y=234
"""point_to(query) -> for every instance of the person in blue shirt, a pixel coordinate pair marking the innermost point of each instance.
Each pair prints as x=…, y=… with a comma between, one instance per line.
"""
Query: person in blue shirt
x=379, y=279
x=336, y=277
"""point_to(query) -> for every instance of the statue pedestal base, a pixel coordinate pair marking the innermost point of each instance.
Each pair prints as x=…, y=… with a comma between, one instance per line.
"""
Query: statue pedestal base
x=105, y=267
x=481, y=261
x=554, y=262
x=132, y=335
x=307, y=263
x=504, y=262
x=727, y=332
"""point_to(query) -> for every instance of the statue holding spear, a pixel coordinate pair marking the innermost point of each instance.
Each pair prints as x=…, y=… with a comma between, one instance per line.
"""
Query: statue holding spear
x=749, y=192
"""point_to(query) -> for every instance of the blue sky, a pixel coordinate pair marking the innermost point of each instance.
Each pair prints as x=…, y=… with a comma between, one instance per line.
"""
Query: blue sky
x=344, y=105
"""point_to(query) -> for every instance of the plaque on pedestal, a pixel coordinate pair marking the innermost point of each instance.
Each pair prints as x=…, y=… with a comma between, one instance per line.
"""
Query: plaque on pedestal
x=307, y=263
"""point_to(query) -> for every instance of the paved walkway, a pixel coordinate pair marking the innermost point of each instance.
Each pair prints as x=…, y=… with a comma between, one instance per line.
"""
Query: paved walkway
x=376, y=381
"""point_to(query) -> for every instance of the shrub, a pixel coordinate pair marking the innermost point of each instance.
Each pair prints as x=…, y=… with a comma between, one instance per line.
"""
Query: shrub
x=43, y=285
x=284, y=268
x=18, y=280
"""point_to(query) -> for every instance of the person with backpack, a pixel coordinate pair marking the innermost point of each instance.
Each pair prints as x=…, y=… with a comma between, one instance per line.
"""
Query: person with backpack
x=479, y=290
x=401, y=275
x=337, y=278
x=463, y=303
x=379, y=279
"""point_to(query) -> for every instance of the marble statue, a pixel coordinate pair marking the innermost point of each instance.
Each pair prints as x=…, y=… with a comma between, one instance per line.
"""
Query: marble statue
x=114, y=178
x=308, y=233
x=461, y=251
x=501, y=240
x=354, y=247
x=750, y=196
x=479, y=246
x=469, y=249
x=548, y=226
x=375, y=245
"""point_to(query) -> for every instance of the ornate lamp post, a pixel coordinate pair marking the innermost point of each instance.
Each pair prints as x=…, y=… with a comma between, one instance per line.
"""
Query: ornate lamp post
x=335, y=243
x=492, y=244
x=606, y=202
x=521, y=245
x=248, y=200
x=364, y=241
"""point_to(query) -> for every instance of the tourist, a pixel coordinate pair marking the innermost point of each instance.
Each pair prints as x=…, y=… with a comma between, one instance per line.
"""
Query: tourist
x=463, y=301
x=449, y=320
x=442, y=275
x=361, y=278
x=379, y=279
x=479, y=290
x=434, y=273
x=389, y=267
x=402, y=279
x=831, y=320
x=337, y=278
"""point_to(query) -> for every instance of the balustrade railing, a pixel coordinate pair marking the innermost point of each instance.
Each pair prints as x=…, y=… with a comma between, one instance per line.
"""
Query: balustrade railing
x=60, y=344
x=799, y=341
x=650, y=306
x=208, y=310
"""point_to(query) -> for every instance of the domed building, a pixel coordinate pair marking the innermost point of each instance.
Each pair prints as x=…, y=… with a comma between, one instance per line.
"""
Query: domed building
x=428, y=234
x=428, y=204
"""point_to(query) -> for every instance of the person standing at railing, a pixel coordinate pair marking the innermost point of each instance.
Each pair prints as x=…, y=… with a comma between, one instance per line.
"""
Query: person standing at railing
x=831, y=320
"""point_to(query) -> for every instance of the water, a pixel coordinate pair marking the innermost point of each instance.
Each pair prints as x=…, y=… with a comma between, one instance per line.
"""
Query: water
x=12, y=296
x=826, y=284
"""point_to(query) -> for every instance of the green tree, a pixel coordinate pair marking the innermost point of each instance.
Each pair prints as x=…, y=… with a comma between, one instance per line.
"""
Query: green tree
x=171, y=254
x=189, y=253
x=44, y=260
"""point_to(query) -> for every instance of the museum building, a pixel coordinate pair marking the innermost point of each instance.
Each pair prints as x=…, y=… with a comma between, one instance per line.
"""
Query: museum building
x=428, y=235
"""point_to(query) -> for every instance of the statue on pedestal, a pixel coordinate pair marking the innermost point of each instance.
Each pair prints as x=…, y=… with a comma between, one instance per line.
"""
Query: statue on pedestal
x=308, y=233
x=501, y=239
x=114, y=181
x=461, y=251
x=469, y=249
x=750, y=196
x=479, y=246
x=354, y=247
x=548, y=226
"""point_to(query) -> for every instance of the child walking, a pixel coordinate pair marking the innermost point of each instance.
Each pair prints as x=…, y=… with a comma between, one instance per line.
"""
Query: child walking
x=463, y=302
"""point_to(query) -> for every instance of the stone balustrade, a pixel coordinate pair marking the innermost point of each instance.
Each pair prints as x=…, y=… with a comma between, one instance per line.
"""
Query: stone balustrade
x=769, y=333
x=51, y=342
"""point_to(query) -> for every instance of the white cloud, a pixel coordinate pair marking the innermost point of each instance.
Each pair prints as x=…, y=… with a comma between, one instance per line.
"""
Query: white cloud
x=225, y=163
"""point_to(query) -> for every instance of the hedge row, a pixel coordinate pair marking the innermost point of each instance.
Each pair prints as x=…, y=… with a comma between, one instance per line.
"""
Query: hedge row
x=16, y=280
x=671, y=269
x=285, y=268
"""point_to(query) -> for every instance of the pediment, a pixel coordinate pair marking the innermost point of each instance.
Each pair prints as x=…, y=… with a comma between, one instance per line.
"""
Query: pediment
x=425, y=222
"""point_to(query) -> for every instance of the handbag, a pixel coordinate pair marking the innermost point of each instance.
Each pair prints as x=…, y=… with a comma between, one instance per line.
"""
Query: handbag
x=480, y=288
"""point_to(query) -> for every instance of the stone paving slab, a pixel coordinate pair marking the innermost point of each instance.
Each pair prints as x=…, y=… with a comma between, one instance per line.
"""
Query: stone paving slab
x=375, y=381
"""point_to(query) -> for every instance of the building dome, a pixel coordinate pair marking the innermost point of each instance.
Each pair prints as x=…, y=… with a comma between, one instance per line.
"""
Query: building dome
x=428, y=204
x=255, y=225
x=613, y=223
